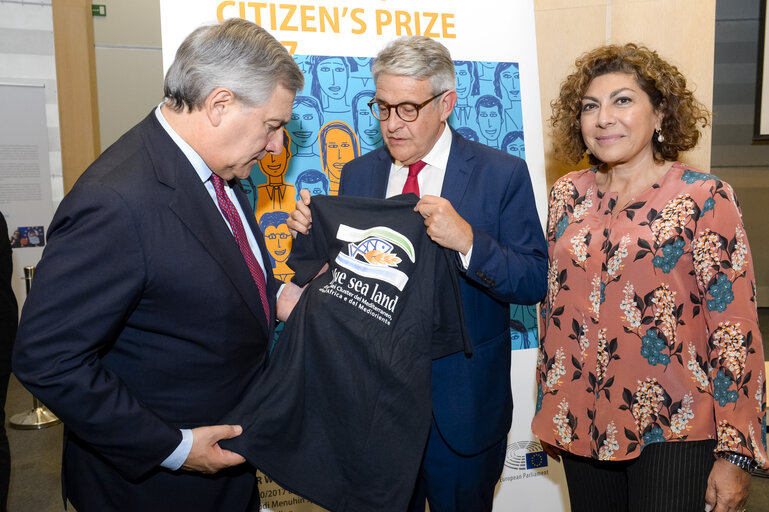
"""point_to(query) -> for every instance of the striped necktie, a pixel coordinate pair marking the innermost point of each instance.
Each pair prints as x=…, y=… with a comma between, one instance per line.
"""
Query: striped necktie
x=231, y=213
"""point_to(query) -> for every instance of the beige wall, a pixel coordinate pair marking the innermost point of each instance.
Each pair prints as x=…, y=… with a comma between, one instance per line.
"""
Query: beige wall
x=129, y=65
x=682, y=31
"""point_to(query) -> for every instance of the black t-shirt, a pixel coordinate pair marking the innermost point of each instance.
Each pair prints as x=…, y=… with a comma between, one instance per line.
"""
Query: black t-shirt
x=342, y=413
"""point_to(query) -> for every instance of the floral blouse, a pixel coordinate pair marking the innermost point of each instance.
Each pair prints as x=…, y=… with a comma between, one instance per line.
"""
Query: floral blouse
x=650, y=329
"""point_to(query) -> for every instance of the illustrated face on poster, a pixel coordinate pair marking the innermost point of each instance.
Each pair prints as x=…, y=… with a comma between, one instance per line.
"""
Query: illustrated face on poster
x=512, y=143
x=278, y=241
x=467, y=81
x=508, y=80
x=489, y=116
x=277, y=165
x=276, y=194
x=364, y=122
x=306, y=120
x=330, y=83
x=313, y=181
x=338, y=145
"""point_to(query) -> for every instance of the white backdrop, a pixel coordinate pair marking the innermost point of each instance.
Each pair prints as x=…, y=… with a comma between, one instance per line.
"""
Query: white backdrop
x=25, y=177
x=483, y=30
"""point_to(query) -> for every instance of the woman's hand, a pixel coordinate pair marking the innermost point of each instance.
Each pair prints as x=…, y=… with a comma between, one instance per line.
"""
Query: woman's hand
x=728, y=488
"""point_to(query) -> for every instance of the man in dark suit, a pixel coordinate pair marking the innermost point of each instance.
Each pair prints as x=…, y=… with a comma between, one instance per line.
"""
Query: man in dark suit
x=9, y=319
x=153, y=304
x=479, y=202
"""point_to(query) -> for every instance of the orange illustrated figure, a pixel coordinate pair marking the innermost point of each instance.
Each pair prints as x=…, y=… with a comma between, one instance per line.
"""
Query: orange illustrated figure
x=338, y=145
x=276, y=194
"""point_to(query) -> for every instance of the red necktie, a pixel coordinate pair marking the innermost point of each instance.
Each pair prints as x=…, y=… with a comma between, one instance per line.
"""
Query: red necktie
x=229, y=210
x=412, y=184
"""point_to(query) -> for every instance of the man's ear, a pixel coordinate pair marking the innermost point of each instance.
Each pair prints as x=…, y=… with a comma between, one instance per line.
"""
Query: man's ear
x=217, y=104
x=447, y=104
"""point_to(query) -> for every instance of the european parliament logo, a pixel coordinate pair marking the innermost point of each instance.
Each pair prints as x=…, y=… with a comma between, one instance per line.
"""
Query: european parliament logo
x=525, y=455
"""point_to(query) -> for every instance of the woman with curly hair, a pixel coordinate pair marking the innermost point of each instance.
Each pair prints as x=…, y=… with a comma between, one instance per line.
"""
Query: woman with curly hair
x=650, y=372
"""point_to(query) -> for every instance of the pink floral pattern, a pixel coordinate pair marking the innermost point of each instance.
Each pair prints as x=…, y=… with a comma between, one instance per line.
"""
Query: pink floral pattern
x=650, y=328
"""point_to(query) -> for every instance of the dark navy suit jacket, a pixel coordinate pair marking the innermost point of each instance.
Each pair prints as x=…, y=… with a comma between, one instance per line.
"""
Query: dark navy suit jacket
x=491, y=190
x=143, y=318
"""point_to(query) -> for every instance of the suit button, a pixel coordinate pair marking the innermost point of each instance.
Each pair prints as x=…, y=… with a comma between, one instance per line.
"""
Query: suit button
x=480, y=275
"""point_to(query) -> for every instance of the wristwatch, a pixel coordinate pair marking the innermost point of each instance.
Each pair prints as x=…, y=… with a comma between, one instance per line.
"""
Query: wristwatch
x=741, y=461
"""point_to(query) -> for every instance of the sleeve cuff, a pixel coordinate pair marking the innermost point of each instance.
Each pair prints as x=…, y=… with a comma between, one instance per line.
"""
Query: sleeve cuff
x=178, y=456
x=465, y=258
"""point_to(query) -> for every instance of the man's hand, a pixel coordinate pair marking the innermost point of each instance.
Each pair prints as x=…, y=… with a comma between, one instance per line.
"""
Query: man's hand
x=300, y=219
x=728, y=488
x=287, y=300
x=205, y=455
x=444, y=225
x=290, y=296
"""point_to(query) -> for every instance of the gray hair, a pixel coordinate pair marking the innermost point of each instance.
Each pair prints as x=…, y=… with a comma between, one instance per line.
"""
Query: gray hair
x=236, y=54
x=417, y=57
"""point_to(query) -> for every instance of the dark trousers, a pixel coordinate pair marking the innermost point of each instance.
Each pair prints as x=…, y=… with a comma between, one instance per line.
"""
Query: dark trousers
x=5, y=450
x=666, y=476
x=454, y=483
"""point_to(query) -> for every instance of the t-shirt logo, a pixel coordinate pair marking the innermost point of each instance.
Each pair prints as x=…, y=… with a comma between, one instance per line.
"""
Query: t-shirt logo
x=372, y=253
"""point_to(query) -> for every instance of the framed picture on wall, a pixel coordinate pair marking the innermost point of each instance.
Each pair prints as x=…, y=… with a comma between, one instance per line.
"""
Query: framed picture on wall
x=761, y=121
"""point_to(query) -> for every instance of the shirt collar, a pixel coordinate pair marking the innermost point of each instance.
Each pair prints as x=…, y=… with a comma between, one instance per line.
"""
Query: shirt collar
x=195, y=159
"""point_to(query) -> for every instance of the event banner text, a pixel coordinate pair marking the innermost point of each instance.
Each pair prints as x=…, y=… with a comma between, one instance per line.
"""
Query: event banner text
x=323, y=19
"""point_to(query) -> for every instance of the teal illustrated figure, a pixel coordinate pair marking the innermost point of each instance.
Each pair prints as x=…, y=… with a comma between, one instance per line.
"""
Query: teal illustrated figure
x=485, y=76
x=507, y=87
x=512, y=143
x=523, y=327
x=360, y=73
x=489, y=116
x=366, y=125
x=330, y=78
x=468, y=87
x=306, y=120
x=314, y=181
x=519, y=336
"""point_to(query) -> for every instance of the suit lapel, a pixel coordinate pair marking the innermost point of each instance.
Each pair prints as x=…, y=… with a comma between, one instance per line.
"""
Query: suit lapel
x=459, y=169
x=191, y=202
x=380, y=175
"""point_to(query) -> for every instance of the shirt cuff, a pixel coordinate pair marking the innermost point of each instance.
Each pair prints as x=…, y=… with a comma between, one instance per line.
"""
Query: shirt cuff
x=177, y=458
x=280, y=290
x=465, y=259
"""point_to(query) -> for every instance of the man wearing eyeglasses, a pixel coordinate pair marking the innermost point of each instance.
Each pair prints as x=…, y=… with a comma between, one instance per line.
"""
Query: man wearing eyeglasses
x=479, y=202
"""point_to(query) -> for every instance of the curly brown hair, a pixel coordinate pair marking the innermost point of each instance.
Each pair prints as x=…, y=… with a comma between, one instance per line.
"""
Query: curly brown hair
x=661, y=81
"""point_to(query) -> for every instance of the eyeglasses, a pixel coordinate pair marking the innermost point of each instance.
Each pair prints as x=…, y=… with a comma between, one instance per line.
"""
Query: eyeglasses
x=407, y=111
x=274, y=236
